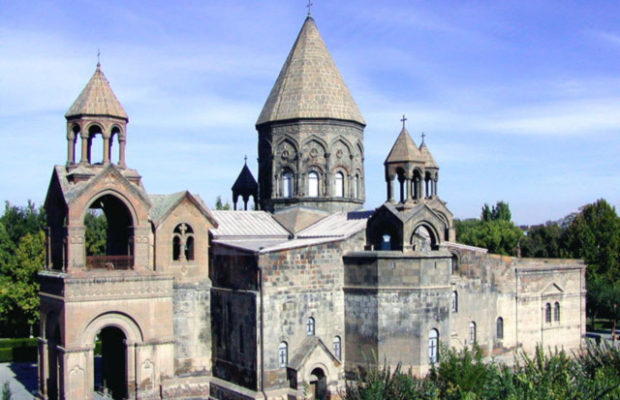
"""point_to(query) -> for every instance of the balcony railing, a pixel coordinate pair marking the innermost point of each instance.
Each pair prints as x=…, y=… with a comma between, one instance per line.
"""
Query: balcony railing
x=109, y=262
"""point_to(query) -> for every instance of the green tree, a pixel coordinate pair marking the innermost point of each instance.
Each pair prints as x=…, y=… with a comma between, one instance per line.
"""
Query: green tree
x=501, y=212
x=219, y=205
x=19, y=221
x=95, y=236
x=544, y=241
x=594, y=235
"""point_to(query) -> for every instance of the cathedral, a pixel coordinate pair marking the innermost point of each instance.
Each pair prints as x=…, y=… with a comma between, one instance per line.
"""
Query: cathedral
x=290, y=299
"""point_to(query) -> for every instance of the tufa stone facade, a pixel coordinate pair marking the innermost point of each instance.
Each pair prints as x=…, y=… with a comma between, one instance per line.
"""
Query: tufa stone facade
x=287, y=301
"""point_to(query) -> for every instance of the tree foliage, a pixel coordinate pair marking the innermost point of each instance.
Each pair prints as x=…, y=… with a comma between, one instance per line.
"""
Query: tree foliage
x=219, y=205
x=95, y=235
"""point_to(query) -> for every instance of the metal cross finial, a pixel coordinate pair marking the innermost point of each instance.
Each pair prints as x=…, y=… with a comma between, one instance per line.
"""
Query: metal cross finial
x=245, y=158
x=309, y=6
x=403, y=120
x=98, y=57
x=423, y=136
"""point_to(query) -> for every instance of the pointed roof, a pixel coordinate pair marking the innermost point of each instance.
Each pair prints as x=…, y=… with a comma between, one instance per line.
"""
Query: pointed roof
x=97, y=98
x=309, y=84
x=429, y=161
x=404, y=149
x=245, y=181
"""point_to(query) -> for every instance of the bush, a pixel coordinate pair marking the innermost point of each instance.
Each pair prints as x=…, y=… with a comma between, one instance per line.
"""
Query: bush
x=18, y=350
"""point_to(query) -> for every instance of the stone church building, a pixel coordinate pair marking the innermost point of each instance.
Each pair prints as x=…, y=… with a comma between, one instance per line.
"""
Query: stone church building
x=285, y=301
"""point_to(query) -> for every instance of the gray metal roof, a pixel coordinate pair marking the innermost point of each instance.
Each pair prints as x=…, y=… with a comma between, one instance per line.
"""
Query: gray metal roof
x=338, y=225
x=247, y=225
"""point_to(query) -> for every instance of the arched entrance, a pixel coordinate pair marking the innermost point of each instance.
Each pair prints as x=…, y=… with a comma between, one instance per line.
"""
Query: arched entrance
x=110, y=361
x=318, y=384
x=109, y=234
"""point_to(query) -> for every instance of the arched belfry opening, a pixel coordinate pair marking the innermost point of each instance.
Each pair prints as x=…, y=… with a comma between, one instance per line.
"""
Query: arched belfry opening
x=110, y=363
x=109, y=234
x=95, y=145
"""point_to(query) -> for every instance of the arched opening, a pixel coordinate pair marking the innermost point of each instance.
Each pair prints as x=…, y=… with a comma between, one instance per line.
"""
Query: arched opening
x=556, y=312
x=75, y=129
x=113, y=151
x=499, y=328
x=386, y=242
x=548, y=313
x=283, y=354
x=339, y=184
x=183, y=243
x=337, y=345
x=402, y=186
x=286, y=187
x=433, y=346
x=417, y=185
x=455, y=264
x=423, y=239
x=318, y=384
x=455, y=301
x=95, y=137
x=428, y=185
x=310, y=327
x=472, y=332
x=109, y=234
x=110, y=372
x=313, y=184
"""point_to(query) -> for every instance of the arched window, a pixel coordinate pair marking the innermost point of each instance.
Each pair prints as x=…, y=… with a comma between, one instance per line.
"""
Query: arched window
x=499, y=328
x=287, y=185
x=310, y=327
x=183, y=243
x=433, y=344
x=313, y=184
x=455, y=301
x=422, y=239
x=283, y=354
x=339, y=184
x=556, y=312
x=472, y=332
x=337, y=347
x=548, y=313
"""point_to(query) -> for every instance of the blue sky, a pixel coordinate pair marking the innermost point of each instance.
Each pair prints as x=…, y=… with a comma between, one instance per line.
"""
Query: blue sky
x=520, y=101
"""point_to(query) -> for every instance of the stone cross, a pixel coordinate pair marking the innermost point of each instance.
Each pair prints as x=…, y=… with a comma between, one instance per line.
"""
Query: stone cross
x=403, y=120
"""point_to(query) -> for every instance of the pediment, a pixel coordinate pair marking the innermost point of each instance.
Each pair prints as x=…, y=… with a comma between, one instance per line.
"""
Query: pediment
x=552, y=289
x=311, y=350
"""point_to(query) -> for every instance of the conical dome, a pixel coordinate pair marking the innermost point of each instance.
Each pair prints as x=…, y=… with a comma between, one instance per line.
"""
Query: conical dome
x=309, y=84
x=404, y=149
x=97, y=99
x=429, y=161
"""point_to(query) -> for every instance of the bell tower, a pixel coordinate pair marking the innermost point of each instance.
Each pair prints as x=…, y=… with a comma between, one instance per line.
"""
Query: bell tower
x=310, y=134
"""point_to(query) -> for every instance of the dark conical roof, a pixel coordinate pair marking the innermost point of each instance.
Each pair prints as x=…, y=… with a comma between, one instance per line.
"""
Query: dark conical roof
x=97, y=98
x=245, y=181
x=309, y=84
x=404, y=149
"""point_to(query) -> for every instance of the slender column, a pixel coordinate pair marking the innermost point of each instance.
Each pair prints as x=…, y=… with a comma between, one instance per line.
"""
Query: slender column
x=84, y=158
x=408, y=189
x=390, y=190
x=121, y=151
x=70, y=148
x=106, y=149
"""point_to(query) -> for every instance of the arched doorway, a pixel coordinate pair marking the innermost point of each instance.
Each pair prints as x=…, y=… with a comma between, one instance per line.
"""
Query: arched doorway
x=108, y=234
x=110, y=361
x=318, y=384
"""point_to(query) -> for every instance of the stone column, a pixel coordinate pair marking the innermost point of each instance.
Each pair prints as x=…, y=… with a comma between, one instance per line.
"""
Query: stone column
x=329, y=189
x=70, y=147
x=106, y=149
x=42, y=365
x=121, y=151
x=84, y=157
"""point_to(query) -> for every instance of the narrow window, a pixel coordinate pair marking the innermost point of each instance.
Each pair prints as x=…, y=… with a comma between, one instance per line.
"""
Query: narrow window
x=337, y=347
x=313, y=184
x=472, y=332
x=287, y=184
x=310, y=327
x=189, y=248
x=433, y=343
x=176, y=248
x=556, y=312
x=386, y=241
x=499, y=328
x=339, y=184
x=356, y=186
x=548, y=313
x=283, y=354
x=455, y=301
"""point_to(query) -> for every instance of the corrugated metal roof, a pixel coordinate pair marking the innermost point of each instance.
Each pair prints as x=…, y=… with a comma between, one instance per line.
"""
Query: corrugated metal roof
x=339, y=225
x=247, y=224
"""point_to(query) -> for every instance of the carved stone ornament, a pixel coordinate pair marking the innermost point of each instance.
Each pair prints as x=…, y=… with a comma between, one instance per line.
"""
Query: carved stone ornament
x=339, y=153
x=314, y=153
x=285, y=155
